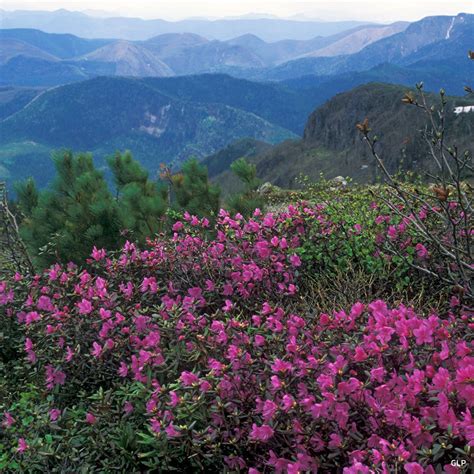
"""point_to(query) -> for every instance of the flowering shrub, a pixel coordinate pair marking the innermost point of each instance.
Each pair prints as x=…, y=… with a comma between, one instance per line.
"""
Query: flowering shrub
x=449, y=231
x=194, y=354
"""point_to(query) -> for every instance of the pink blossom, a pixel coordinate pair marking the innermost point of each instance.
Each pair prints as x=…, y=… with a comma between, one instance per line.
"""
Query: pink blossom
x=421, y=251
x=205, y=386
x=96, y=349
x=98, y=255
x=276, y=382
x=54, y=414
x=269, y=410
x=171, y=431
x=8, y=420
x=281, y=366
x=174, y=398
x=335, y=441
x=261, y=433
x=287, y=402
x=228, y=306
x=188, y=378
x=177, y=226
x=413, y=468
x=423, y=334
x=357, y=468
x=91, y=419
x=123, y=369
x=295, y=260
x=84, y=306
x=22, y=445
x=392, y=232
x=54, y=377
x=31, y=317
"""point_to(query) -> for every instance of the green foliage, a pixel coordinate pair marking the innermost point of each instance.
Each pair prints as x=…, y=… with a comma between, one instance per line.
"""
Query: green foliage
x=193, y=191
x=126, y=170
x=77, y=213
x=248, y=200
x=352, y=248
x=142, y=202
x=27, y=196
x=246, y=172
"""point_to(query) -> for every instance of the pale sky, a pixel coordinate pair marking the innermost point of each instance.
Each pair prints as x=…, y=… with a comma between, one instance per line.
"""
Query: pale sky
x=370, y=10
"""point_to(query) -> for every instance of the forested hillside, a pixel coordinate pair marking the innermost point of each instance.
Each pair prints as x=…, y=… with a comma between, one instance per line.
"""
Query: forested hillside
x=332, y=145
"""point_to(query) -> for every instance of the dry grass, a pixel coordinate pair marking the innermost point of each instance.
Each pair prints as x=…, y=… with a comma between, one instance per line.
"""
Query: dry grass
x=329, y=293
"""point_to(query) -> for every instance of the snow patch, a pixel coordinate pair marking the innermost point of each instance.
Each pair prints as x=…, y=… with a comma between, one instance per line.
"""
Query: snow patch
x=463, y=110
x=448, y=33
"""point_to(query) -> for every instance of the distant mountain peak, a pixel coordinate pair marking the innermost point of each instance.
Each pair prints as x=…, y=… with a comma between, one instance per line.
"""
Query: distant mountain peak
x=130, y=59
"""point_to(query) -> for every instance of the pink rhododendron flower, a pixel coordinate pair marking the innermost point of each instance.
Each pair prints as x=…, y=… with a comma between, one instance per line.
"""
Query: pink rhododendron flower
x=174, y=398
x=91, y=419
x=269, y=410
x=177, y=226
x=188, y=378
x=205, y=386
x=413, y=468
x=8, y=420
x=54, y=414
x=127, y=408
x=54, y=377
x=228, y=306
x=421, y=251
x=97, y=254
x=171, y=431
x=281, y=366
x=357, y=468
x=423, y=334
x=261, y=433
x=96, y=349
x=335, y=441
x=85, y=306
x=32, y=317
x=295, y=260
x=22, y=445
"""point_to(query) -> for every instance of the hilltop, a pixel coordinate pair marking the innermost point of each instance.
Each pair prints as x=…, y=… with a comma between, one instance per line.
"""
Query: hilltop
x=332, y=145
x=128, y=59
x=103, y=115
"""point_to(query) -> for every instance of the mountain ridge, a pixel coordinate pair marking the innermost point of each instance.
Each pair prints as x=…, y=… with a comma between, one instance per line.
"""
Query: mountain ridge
x=106, y=114
x=65, y=21
x=332, y=145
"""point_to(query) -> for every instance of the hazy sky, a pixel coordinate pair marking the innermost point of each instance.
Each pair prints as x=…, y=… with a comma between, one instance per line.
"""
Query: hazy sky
x=377, y=10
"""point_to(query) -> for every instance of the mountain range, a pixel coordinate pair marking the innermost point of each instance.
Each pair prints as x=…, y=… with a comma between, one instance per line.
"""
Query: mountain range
x=167, y=120
x=160, y=120
x=436, y=39
x=81, y=24
x=182, y=94
x=332, y=145
x=73, y=58
x=434, y=47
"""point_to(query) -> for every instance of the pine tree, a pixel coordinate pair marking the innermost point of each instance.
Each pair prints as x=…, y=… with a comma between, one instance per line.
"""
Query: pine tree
x=28, y=195
x=142, y=203
x=247, y=173
x=248, y=200
x=193, y=192
x=77, y=213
